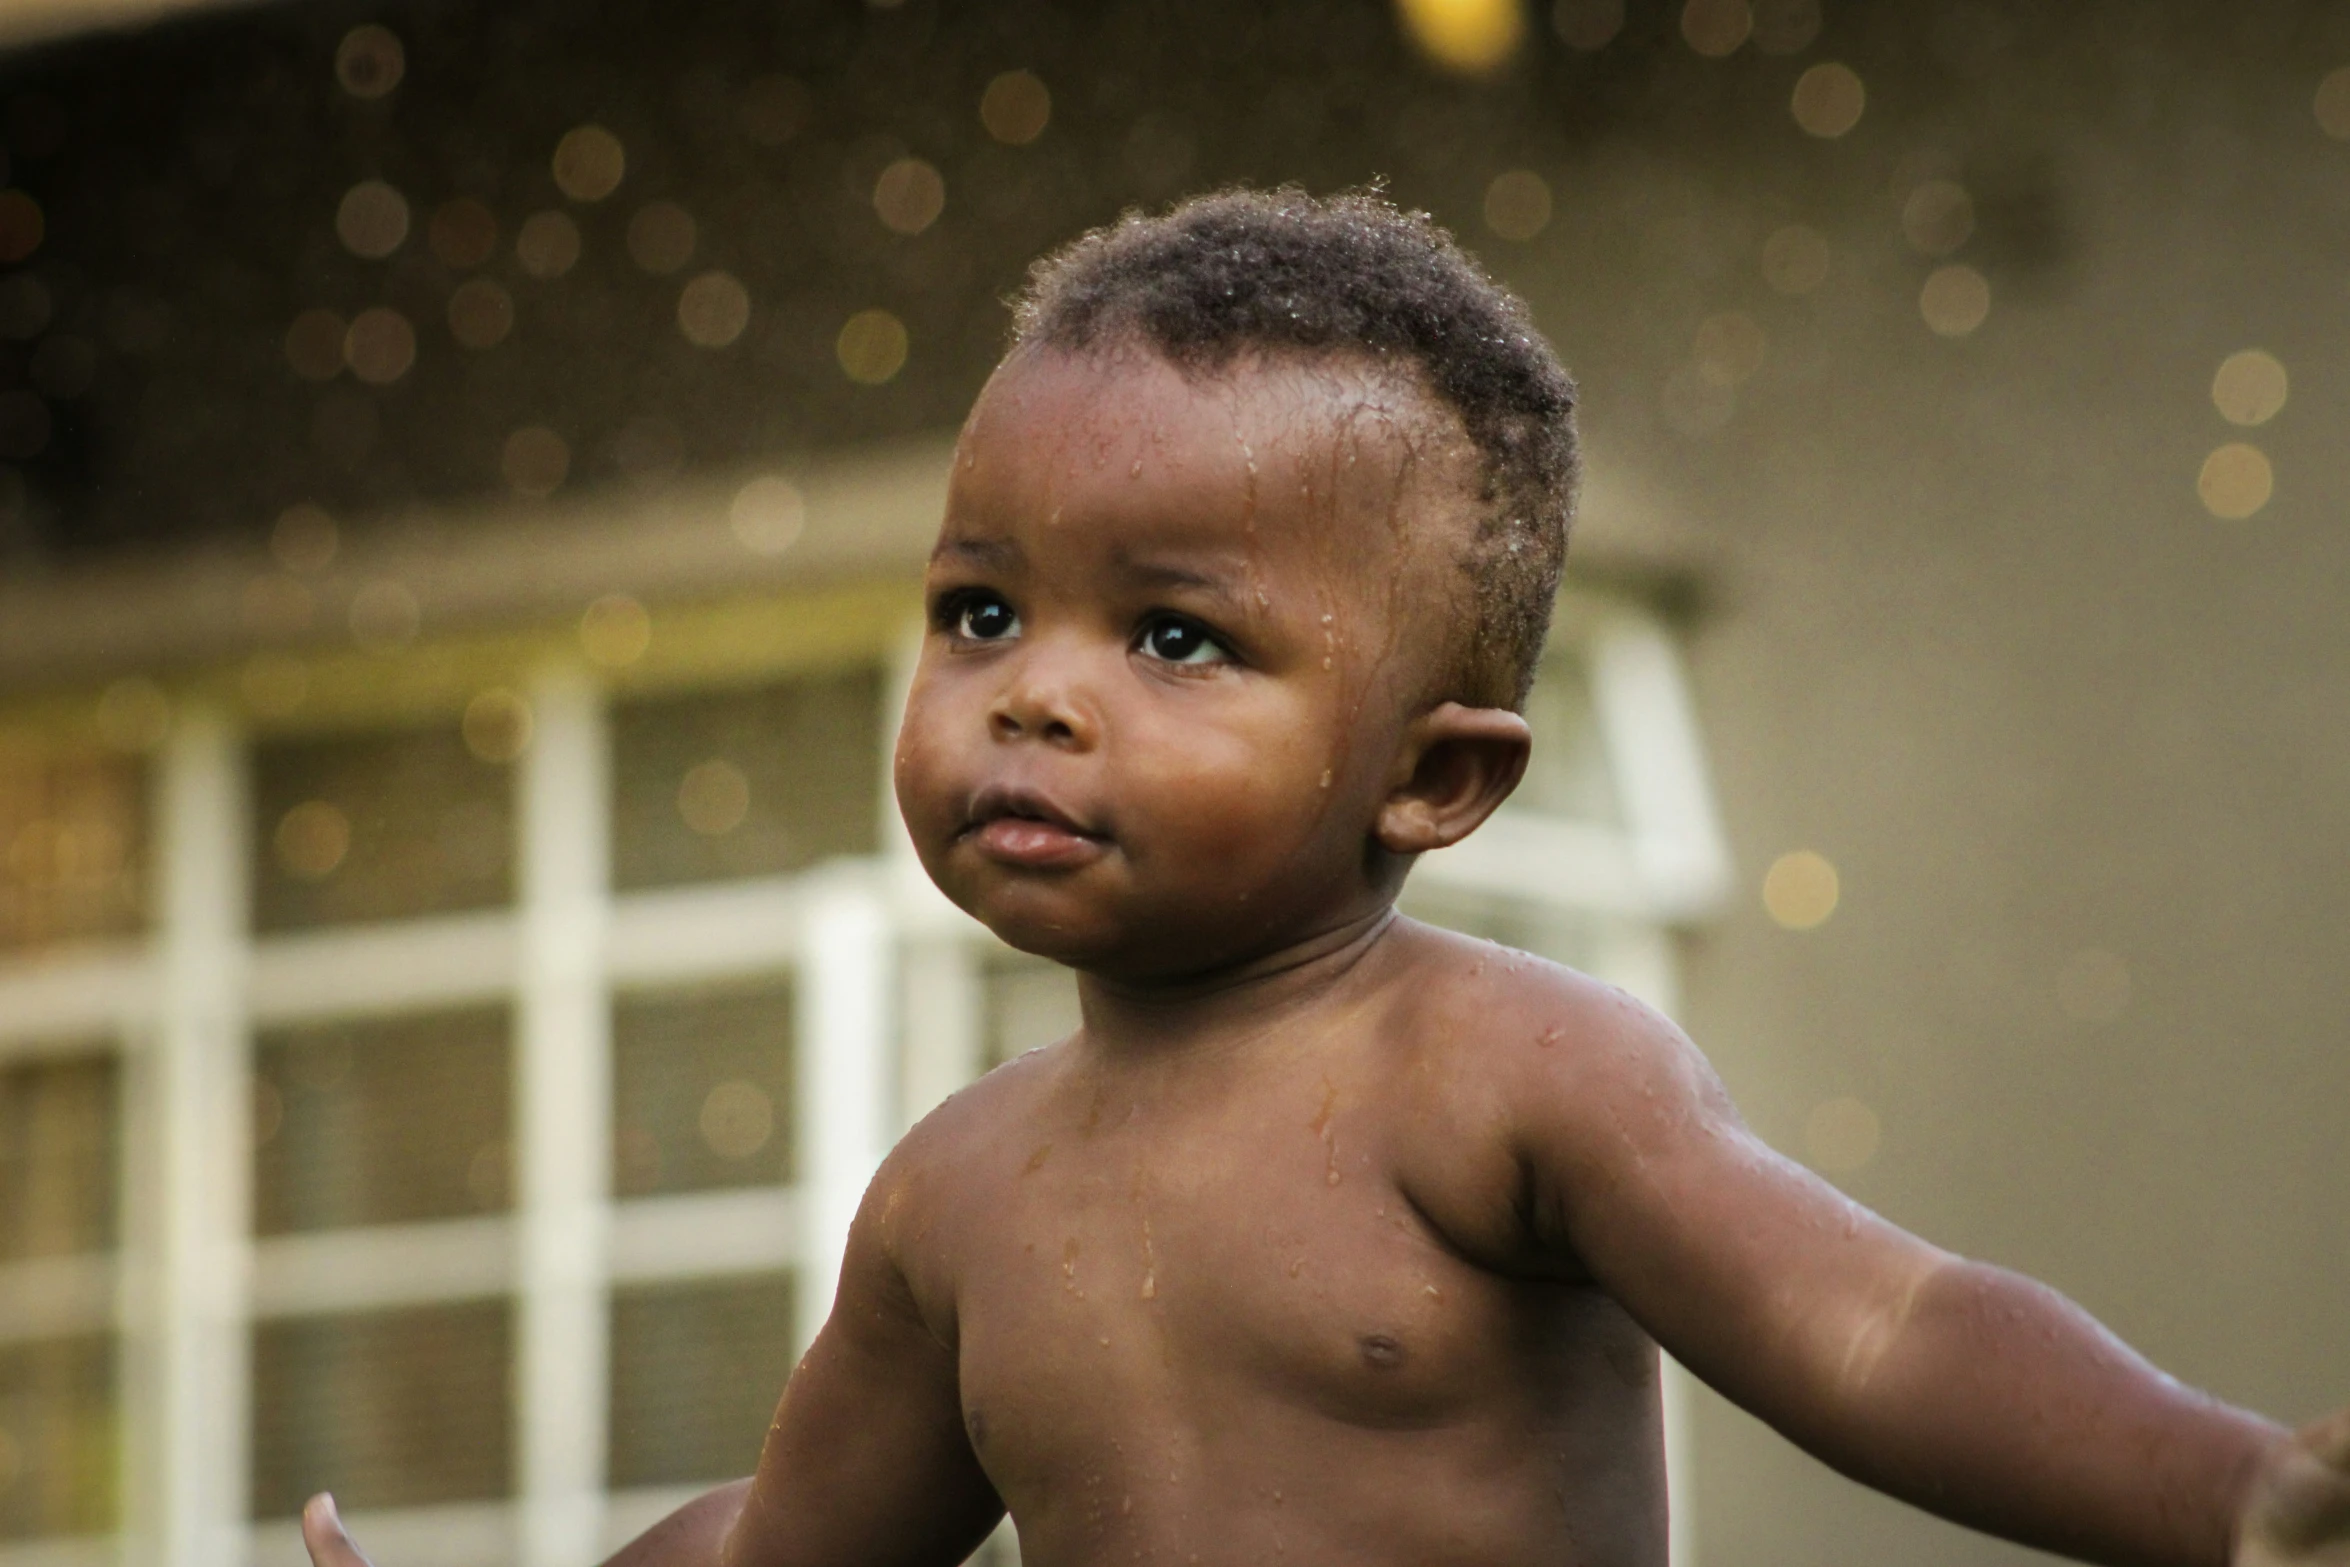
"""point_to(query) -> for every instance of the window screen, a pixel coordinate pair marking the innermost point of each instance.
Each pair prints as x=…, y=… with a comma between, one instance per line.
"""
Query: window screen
x=72, y=848
x=57, y=1437
x=702, y=1089
x=696, y=1371
x=60, y=1144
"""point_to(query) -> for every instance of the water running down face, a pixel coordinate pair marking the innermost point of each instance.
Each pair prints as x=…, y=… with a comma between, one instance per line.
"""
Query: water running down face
x=1177, y=706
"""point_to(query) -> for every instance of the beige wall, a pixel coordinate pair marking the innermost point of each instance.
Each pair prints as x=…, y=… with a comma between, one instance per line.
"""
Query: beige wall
x=1965, y=628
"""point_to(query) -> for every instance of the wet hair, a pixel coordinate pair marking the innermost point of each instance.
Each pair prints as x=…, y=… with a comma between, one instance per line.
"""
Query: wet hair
x=1281, y=269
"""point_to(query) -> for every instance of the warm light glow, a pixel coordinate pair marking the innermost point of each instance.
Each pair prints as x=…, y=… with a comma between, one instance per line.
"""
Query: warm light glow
x=370, y=61
x=909, y=196
x=372, y=220
x=615, y=631
x=1730, y=348
x=1938, y=217
x=1587, y=24
x=737, y=1119
x=1955, y=300
x=535, y=461
x=1715, y=28
x=1842, y=1136
x=713, y=310
x=2333, y=103
x=1470, y=37
x=481, y=313
x=2093, y=986
x=1517, y=204
x=661, y=237
x=872, y=347
x=714, y=797
x=380, y=346
x=589, y=163
x=312, y=840
x=1015, y=108
x=768, y=514
x=1801, y=889
x=1828, y=100
x=2236, y=481
x=2249, y=388
x=547, y=244
x=1795, y=259
x=497, y=725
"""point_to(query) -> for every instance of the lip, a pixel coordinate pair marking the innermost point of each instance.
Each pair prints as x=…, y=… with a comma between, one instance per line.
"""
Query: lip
x=1027, y=829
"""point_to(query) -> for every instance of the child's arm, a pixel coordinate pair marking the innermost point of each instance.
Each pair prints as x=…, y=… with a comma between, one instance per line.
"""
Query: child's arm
x=866, y=1461
x=1965, y=1389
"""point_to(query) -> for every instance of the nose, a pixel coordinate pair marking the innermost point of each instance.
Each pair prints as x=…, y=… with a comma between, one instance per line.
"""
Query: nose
x=1045, y=697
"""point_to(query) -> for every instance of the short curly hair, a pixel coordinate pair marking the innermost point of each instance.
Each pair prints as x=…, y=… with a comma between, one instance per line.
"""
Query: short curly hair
x=1275, y=269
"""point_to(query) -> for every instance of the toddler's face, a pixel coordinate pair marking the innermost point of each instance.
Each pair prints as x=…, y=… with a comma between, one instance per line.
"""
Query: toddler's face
x=1176, y=627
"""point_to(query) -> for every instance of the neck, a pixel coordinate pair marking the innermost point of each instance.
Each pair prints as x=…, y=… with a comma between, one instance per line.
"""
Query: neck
x=1125, y=1016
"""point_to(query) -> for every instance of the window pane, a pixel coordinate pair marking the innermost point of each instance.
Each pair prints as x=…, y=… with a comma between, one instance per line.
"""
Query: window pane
x=746, y=783
x=72, y=847
x=385, y=1409
x=696, y=1371
x=57, y=1442
x=381, y=1121
x=1568, y=772
x=376, y=827
x=702, y=1089
x=60, y=1138
x=1030, y=1002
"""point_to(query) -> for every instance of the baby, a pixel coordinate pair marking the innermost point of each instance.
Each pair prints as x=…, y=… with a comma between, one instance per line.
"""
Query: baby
x=1330, y=1237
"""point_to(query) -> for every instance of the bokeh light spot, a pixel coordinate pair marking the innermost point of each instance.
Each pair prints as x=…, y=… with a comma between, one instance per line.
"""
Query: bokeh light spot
x=737, y=1119
x=370, y=61
x=1955, y=300
x=871, y=347
x=372, y=220
x=481, y=313
x=22, y=226
x=1517, y=204
x=385, y=616
x=1715, y=28
x=463, y=233
x=314, y=345
x=714, y=797
x=1697, y=404
x=1730, y=347
x=381, y=346
x=2236, y=481
x=535, y=461
x=589, y=163
x=1785, y=26
x=713, y=310
x=615, y=631
x=2093, y=986
x=1842, y=1135
x=1828, y=100
x=1015, y=108
x=2250, y=387
x=909, y=196
x=547, y=244
x=1587, y=24
x=1795, y=259
x=1938, y=217
x=661, y=237
x=497, y=725
x=1801, y=889
x=767, y=514
x=312, y=839
x=1468, y=37
x=2333, y=103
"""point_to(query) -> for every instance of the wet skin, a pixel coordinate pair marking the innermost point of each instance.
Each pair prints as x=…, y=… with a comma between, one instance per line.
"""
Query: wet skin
x=1331, y=1238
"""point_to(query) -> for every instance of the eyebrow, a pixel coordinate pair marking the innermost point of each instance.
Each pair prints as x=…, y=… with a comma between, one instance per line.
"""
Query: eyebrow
x=1160, y=574
x=1002, y=554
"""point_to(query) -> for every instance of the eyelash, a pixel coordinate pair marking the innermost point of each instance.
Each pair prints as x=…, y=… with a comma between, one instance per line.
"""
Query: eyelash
x=954, y=609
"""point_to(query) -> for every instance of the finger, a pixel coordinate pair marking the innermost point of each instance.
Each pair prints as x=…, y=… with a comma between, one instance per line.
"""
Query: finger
x=329, y=1542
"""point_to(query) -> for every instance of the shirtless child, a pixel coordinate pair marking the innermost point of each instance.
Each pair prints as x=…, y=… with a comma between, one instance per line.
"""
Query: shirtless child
x=1331, y=1238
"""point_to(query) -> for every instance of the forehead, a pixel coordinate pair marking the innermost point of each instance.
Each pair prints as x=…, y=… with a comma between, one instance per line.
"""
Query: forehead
x=1325, y=455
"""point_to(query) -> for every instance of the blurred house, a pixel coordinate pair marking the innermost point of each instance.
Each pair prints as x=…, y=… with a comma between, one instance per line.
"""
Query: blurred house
x=466, y=475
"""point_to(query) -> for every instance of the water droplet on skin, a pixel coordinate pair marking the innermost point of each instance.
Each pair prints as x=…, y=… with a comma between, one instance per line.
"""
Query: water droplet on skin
x=1150, y=1286
x=1433, y=1292
x=1325, y=777
x=1135, y=472
x=1550, y=1036
x=1296, y=1266
x=1125, y=1506
x=1325, y=661
x=1036, y=1160
x=1327, y=619
x=1105, y=1341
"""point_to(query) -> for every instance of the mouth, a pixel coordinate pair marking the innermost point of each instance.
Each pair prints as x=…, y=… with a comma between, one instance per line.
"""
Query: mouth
x=1023, y=828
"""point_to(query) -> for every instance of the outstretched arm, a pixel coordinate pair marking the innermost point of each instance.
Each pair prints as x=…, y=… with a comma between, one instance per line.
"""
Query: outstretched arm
x=866, y=1460
x=1965, y=1389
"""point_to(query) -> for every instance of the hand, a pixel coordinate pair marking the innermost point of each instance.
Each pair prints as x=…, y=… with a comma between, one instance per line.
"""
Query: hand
x=2299, y=1511
x=323, y=1532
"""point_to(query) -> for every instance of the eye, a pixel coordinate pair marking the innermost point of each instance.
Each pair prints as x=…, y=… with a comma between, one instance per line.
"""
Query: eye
x=983, y=617
x=1175, y=640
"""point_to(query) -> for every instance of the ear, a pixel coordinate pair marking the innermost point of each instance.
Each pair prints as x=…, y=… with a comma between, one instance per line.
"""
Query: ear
x=1456, y=765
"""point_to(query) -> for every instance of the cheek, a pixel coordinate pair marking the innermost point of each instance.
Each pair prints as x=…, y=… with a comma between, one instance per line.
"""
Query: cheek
x=1222, y=795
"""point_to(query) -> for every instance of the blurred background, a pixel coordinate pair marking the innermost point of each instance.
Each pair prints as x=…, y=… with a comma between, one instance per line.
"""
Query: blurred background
x=464, y=474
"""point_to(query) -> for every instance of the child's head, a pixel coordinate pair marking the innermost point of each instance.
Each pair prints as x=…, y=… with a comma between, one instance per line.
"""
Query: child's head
x=1247, y=562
